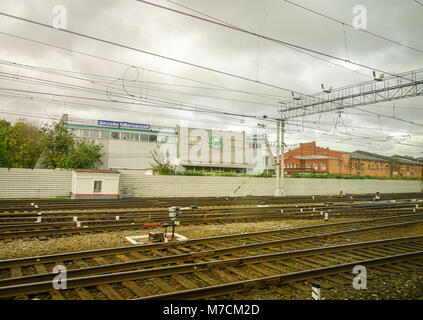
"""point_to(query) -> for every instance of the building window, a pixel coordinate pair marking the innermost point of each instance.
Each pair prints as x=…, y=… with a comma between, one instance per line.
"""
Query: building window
x=135, y=137
x=95, y=134
x=105, y=135
x=373, y=166
x=97, y=186
x=124, y=135
x=143, y=137
x=152, y=138
x=323, y=166
x=316, y=167
x=115, y=135
x=308, y=165
x=386, y=168
x=84, y=133
x=362, y=166
x=295, y=165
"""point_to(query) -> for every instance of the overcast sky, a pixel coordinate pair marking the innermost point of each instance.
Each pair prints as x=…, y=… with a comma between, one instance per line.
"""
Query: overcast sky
x=99, y=66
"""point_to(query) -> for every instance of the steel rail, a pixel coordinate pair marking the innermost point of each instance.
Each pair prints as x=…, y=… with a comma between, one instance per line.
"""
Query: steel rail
x=154, y=262
x=239, y=286
x=46, y=286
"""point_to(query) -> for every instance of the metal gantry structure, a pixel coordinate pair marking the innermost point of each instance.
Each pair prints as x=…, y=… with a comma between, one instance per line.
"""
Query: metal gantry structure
x=381, y=89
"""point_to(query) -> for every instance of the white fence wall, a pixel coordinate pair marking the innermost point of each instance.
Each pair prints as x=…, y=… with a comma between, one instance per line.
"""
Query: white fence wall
x=192, y=186
x=34, y=183
x=45, y=183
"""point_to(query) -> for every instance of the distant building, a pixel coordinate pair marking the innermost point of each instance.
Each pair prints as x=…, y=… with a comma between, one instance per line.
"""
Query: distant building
x=129, y=146
x=309, y=158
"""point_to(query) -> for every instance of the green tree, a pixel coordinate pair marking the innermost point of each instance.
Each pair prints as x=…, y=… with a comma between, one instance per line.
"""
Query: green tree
x=62, y=150
x=86, y=154
x=57, y=145
x=6, y=160
x=161, y=164
x=24, y=144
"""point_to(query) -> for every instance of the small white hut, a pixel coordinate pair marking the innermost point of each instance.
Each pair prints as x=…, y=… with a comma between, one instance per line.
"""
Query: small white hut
x=95, y=184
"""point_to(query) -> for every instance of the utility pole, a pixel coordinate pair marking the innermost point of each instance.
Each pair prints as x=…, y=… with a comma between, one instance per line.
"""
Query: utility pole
x=280, y=154
x=278, y=150
x=282, y=176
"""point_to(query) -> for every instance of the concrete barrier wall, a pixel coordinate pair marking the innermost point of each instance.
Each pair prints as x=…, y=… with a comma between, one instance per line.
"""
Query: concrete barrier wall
x=34, y=183
x=45, y=183
x=140, y=184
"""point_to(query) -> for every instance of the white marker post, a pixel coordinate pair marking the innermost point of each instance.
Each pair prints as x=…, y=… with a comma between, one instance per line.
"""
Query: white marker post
x=326, y=217
x=315, y=291
x=117, y=218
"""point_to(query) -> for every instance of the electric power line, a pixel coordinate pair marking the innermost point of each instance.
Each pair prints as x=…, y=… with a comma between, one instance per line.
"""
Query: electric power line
x=346, y=24
x=266, y=37
x=152, y=53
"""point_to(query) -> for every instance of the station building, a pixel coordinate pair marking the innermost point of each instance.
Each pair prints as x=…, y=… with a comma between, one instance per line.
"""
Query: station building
x=129, y=146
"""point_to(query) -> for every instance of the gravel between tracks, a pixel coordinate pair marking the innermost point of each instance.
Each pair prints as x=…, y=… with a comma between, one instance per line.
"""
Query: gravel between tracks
x=396, y=286
x=18, y=248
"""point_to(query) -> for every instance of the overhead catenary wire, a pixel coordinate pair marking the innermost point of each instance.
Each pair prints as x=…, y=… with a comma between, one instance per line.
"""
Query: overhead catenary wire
x=267, y=38
x=129, y=65
x=286, y=46
x=351, y=26
x=151, y=53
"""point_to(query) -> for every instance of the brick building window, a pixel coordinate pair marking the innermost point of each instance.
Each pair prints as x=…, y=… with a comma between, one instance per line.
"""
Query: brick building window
x=386, y=168
x=316, y=167
x=323, y=166
x=362, y=166
x=308, y=165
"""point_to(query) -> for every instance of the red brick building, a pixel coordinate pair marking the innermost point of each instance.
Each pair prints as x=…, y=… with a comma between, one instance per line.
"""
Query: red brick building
x=309, y=158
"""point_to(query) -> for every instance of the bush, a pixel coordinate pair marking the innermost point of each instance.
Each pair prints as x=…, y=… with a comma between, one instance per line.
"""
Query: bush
x=339, y=176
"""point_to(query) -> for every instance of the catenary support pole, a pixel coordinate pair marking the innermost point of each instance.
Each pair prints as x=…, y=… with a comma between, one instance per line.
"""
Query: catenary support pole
x=277, y=168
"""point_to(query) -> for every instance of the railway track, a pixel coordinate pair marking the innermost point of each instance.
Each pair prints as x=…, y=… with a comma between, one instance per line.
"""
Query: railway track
x=205, y=279
x=287, y=285
x=20, y=272
x=12, y=226
x=25, y=205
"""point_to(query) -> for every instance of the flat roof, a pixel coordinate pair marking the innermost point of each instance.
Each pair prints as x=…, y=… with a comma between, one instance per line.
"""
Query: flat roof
x=96, y=171
x=116, y=129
